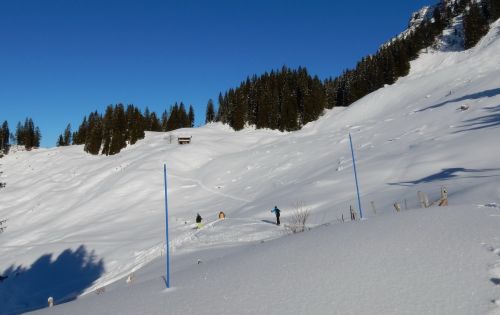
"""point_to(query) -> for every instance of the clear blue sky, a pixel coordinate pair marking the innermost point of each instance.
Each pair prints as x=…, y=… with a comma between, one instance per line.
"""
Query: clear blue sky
x=61, y=59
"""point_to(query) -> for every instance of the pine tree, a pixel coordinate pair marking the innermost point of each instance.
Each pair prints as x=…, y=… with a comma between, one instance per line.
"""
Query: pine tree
x=135, y=124
x=238, y=113
x=4, y=137
x=118, y=130
x=155, y=123
x=19, y=134
x=107, y=129
x=60, y=141
x=191, y=116
x=173, y=117
x=67, y=135
x=494, y=9
x=37, y=138
x=183, y=117
x=438, y=20
x=315, y=101
x=210, y=112
x=475, y=25
x=223, y=112
x=147, y=119
x=93, y=138
x=164, y=121
x=28, y=134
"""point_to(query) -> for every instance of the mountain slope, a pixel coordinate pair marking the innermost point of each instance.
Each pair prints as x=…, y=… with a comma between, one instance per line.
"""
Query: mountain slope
x=408, y=137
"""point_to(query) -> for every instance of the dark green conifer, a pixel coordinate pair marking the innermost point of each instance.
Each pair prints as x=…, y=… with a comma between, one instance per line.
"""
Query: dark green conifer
x=118, y=130
x=67, y=135
x=191, y=116
x=4, y=137
x=210, y=112
x=475, y=25
x=60, y=141
x=164, y=121
x=155, y=122
x=107, y=129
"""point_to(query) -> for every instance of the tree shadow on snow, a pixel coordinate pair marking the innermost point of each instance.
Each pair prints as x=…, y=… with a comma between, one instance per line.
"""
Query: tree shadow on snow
x=63, y=279
x=448, y=173
x=486, y=121
x=487, y=93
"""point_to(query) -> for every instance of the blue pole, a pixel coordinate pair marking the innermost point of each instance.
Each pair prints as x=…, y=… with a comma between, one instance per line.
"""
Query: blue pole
x=167, y=247
x=356, y=177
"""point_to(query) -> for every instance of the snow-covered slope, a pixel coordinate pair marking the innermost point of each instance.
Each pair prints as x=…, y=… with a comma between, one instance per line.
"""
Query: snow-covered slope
x=77, y=223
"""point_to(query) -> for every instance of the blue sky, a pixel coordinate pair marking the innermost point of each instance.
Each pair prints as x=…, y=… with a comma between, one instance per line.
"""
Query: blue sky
x=61, y=59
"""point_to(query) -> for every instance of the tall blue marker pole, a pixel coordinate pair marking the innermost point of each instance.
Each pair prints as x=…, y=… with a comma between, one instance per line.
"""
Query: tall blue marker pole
x=167, y=247
x=356, y=177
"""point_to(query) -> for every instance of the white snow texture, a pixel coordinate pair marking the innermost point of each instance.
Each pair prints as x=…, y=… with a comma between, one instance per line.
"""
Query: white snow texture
x=91, y=228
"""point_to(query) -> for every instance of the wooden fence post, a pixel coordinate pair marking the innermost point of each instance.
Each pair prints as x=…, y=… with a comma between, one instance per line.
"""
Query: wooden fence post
x=373, y=207
x=397, y=206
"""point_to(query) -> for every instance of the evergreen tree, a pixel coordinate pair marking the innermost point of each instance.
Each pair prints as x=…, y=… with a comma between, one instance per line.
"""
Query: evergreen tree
x=210, y=112
x=28, y=134
x=60, y=141
x=80, y=136
x=93, y=138
x=191, y=116
x=315, y=101
x=147, y=119
x=118, y=130
x=37, y=138
x=19, y=134
x=155, y=123
x=107, y=129
x=164, y=121
x=438, y=20
x=172, y=117
x=183, y=117
x=4, y=137
x=223, y=112
x=238, y=112
x=493, y=9
x=136, y=126
x=67, y=135
x=475, y=25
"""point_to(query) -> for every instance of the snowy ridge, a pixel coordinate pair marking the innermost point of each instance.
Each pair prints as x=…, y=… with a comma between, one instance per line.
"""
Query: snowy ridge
x=102, y=218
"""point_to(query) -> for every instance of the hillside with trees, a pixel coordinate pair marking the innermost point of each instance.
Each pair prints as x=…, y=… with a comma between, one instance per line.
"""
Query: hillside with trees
x=110, y=132
x=284, y=99
x=287, y=99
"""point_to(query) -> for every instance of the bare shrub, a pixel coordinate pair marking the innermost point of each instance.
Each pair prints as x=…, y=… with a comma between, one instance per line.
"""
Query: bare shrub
x=298, y=220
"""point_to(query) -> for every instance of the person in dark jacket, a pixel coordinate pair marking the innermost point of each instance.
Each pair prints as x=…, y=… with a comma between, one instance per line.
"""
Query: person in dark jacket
x=276, y=211
x=198, y=221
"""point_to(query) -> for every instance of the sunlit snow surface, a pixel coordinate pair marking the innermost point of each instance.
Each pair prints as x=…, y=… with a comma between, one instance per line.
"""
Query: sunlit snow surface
x=77, y=223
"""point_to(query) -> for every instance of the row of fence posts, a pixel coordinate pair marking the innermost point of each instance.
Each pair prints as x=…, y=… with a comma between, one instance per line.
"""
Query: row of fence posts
x=422, y=198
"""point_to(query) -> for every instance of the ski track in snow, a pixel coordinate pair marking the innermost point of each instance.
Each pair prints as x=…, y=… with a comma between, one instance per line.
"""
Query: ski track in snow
x=213, y=191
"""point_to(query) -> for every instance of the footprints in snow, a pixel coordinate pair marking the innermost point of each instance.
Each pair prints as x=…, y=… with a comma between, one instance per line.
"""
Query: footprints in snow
x=494, y=270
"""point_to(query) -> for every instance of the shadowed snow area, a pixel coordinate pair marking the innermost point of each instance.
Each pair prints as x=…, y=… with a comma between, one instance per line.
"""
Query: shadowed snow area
x=62, y=278
x=438, y=126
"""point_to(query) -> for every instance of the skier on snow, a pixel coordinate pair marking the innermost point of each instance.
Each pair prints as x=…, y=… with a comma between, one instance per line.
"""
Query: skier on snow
x=277, y=212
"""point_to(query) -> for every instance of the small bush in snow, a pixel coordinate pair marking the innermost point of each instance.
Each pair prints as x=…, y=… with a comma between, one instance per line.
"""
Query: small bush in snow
x=2, y=225
x=100, y=290
x=297, y=223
